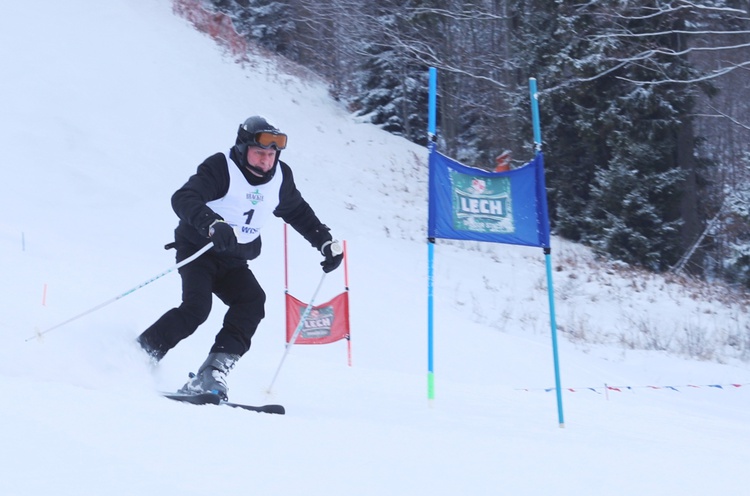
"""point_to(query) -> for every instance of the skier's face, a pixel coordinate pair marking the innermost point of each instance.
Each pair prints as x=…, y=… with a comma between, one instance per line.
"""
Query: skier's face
x=262, y=158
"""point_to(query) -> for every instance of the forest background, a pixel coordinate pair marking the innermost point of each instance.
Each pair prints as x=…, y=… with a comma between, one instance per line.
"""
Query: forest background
x=644, y=105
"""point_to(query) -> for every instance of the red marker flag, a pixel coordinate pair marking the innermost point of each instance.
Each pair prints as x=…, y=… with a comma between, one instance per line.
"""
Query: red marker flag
x=326, y=323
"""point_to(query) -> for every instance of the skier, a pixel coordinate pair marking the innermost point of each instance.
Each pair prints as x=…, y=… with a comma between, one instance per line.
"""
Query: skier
x=227, y=201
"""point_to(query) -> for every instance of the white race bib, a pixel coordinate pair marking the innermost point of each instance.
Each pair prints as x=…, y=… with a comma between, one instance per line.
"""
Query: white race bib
x=246, y=207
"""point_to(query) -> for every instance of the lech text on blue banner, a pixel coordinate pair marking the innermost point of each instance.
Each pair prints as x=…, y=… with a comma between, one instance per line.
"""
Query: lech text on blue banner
x=498, y=207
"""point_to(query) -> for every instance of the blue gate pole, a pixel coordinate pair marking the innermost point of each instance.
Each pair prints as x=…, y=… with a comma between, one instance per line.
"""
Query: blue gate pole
x=535, y=115
x=431, y=137
x=432, y=107
x=547, y=256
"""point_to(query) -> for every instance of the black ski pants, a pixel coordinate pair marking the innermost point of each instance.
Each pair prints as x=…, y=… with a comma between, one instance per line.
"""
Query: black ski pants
x=232, y=281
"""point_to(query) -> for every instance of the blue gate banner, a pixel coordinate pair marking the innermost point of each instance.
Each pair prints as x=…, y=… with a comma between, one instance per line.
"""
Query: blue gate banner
x=497, y=207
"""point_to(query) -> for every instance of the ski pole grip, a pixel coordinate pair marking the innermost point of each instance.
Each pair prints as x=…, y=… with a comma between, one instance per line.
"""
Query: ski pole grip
x=336, y=248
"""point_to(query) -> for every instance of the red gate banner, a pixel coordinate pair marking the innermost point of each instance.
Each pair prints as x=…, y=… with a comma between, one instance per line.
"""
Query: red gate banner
x=326, y=323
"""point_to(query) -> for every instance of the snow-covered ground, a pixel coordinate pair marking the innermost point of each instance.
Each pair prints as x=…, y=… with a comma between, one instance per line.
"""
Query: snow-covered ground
x=107, y=107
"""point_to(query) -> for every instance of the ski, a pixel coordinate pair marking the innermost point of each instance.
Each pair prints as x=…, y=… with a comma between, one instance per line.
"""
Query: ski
x=274, y=409
x=195, y=399
x=214, y=399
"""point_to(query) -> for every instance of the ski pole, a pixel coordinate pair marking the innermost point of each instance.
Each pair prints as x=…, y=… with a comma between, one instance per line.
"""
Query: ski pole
x=296, y=333
x=149, y=281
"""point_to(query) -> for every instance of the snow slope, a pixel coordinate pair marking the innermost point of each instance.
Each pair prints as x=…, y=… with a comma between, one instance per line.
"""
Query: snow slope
x=108, y=107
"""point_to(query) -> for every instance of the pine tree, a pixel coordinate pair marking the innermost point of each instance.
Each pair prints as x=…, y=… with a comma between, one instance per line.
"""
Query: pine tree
x=737, y=227
x=619, y=182
x=270, y=23
x=391, y=80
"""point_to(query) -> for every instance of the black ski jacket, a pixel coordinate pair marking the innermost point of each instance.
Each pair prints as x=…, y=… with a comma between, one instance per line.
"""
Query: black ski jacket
x=211, y=182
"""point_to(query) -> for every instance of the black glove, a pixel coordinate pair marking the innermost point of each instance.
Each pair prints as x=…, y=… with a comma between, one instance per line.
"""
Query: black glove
x=223, y=236
x=332, y=261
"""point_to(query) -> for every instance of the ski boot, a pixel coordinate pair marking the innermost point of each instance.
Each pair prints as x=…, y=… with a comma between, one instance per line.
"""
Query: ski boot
x=212, y=376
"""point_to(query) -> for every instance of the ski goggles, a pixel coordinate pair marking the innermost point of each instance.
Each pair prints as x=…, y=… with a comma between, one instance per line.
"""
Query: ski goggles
x=263, y=139
x=267, y=140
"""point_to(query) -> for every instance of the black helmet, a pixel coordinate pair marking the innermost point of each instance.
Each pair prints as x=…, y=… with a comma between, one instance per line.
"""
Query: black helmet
x=256, y=131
